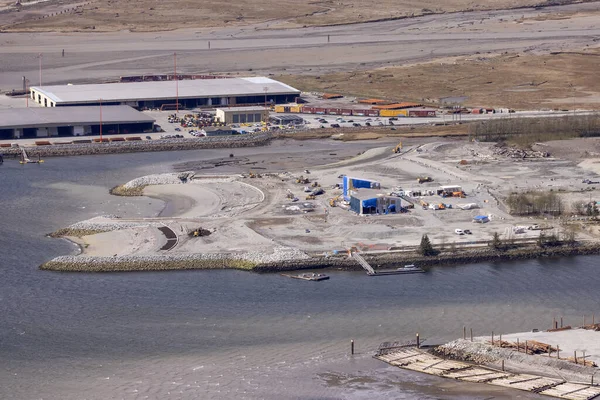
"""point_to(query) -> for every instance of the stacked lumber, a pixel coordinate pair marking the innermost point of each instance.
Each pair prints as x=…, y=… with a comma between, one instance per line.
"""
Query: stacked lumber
x=593, y=327
x=565, y=328
x=533, y=346
x=580, y=361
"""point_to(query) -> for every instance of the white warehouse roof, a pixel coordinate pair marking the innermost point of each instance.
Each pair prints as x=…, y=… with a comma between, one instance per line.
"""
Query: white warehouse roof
x=161, y=90
x=32, y=117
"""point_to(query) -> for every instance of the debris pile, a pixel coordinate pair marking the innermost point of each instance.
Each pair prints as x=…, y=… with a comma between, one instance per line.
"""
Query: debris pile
x=515, y=152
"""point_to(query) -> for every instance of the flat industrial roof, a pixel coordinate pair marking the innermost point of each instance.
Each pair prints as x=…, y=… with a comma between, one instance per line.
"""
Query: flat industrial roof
x=162, y=90
x=248, y=108
x=33, y=117
x=366, y=194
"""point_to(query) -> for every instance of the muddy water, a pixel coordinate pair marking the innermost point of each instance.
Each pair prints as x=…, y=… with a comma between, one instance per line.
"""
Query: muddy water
x=232, y=334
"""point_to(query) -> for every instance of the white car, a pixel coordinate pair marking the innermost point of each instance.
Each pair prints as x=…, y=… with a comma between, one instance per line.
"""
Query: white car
x=459, y=231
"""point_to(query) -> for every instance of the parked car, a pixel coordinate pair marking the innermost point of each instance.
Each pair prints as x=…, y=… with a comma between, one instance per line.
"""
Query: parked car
x=335, y=125
x=459, y=231
x=356, y=124
x=367, y=124
x=468, y=232
x=148, y=137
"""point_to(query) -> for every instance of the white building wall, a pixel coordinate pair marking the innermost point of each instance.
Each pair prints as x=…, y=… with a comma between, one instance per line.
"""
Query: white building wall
x=42, y=132
x=53, y=131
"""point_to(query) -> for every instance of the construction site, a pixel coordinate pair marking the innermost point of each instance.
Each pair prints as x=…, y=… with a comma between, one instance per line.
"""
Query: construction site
x=383, y=200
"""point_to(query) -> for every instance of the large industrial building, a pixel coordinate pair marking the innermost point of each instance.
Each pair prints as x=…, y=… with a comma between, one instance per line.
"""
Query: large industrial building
x=188, y=93
x=36, y=122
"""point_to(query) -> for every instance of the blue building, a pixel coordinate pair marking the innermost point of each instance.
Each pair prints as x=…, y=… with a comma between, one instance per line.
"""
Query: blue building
x=369, y=201
x=349, y=184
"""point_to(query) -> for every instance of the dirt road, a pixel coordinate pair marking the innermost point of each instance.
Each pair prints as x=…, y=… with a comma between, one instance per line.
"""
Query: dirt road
x=260, y=50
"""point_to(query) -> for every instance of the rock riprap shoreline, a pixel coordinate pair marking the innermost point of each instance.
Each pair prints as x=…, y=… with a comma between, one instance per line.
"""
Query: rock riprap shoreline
x=78, y=149
x=162, y=262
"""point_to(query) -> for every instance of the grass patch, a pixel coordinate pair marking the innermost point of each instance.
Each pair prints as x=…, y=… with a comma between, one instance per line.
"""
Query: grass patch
x=121, y=190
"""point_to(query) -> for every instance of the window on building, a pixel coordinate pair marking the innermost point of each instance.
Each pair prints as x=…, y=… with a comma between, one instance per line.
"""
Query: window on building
x=242, y=118
x=236, y=119
x=250, y=117
x=257, y=117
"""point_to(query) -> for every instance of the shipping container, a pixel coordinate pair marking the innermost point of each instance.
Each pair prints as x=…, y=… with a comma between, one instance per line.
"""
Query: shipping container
x=280, y=109
x=296, y=109
x=346, y=111
x=393, y=113
x=334, y=111
x=422, y=113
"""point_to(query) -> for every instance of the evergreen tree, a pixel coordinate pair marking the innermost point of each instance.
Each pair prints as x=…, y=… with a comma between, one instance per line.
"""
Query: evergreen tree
x=425, y=248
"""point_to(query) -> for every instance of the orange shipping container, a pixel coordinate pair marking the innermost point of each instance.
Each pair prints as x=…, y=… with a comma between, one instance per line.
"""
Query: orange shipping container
x=393, y=113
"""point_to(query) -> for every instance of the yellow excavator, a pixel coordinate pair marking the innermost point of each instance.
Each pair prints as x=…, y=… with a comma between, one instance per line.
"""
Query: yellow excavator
x=398, y=148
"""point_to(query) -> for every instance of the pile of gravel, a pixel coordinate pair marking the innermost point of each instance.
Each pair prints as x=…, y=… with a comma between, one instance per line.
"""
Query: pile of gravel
x=279, y=254
x=105, y=224
x=161, y=179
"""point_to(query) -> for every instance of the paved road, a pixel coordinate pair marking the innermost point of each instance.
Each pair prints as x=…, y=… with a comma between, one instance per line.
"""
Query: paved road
x=259, y=49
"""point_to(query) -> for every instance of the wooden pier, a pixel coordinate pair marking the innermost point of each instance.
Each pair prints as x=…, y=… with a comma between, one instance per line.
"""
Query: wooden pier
x=413, y=358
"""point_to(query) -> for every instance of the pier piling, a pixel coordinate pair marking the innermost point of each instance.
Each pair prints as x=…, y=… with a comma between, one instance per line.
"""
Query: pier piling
x=561, y=324
x=464, y=332
x=352, y=347
x=418, y=341
x=492, y=338
x=502, y=365
x=557, y=352
x=471, y=334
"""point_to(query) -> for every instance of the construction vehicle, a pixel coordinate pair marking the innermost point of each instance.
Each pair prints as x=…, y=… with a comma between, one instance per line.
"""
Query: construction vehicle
x=398, y=148
x=441, y=206
x=460, y=194
x=302, y=180
x=424, y=204
x=311, y=197
x=423, y=179
x=290, y=195
x=315, y=184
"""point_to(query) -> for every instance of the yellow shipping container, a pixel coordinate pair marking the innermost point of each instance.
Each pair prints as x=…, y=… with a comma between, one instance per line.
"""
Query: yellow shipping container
x=393, y=113
x=279, y=109
x=296, y=109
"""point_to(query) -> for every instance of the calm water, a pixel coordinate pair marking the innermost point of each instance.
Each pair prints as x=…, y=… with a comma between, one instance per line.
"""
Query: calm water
x=231, y=334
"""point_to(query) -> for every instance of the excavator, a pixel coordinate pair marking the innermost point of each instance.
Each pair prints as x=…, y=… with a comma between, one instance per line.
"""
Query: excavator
x=398, y=148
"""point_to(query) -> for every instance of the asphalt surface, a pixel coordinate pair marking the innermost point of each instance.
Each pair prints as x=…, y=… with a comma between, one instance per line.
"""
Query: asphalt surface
x=258, y=49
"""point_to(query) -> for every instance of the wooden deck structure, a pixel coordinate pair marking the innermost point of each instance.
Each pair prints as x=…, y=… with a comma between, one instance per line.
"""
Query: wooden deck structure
x=415, y=359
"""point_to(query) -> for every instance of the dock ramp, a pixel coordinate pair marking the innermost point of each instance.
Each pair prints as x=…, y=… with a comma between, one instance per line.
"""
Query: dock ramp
x=363, y=263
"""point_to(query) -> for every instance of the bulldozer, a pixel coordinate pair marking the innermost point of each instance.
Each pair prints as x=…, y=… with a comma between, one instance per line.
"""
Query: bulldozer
x=423, y=179
x=315, y=184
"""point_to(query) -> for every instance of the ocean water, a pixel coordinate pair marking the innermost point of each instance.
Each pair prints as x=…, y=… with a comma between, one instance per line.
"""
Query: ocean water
x=233, y=334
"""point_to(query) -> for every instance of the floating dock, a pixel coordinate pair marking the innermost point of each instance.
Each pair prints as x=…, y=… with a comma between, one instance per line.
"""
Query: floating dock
x=407, y=269
x=415, y=359
x=308, y=277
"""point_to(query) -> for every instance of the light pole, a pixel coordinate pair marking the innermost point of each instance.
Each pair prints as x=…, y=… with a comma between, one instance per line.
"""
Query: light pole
x=176, y=83
x=40, y=57
x=101, y=121
x=266, y=89
x=27, y=92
